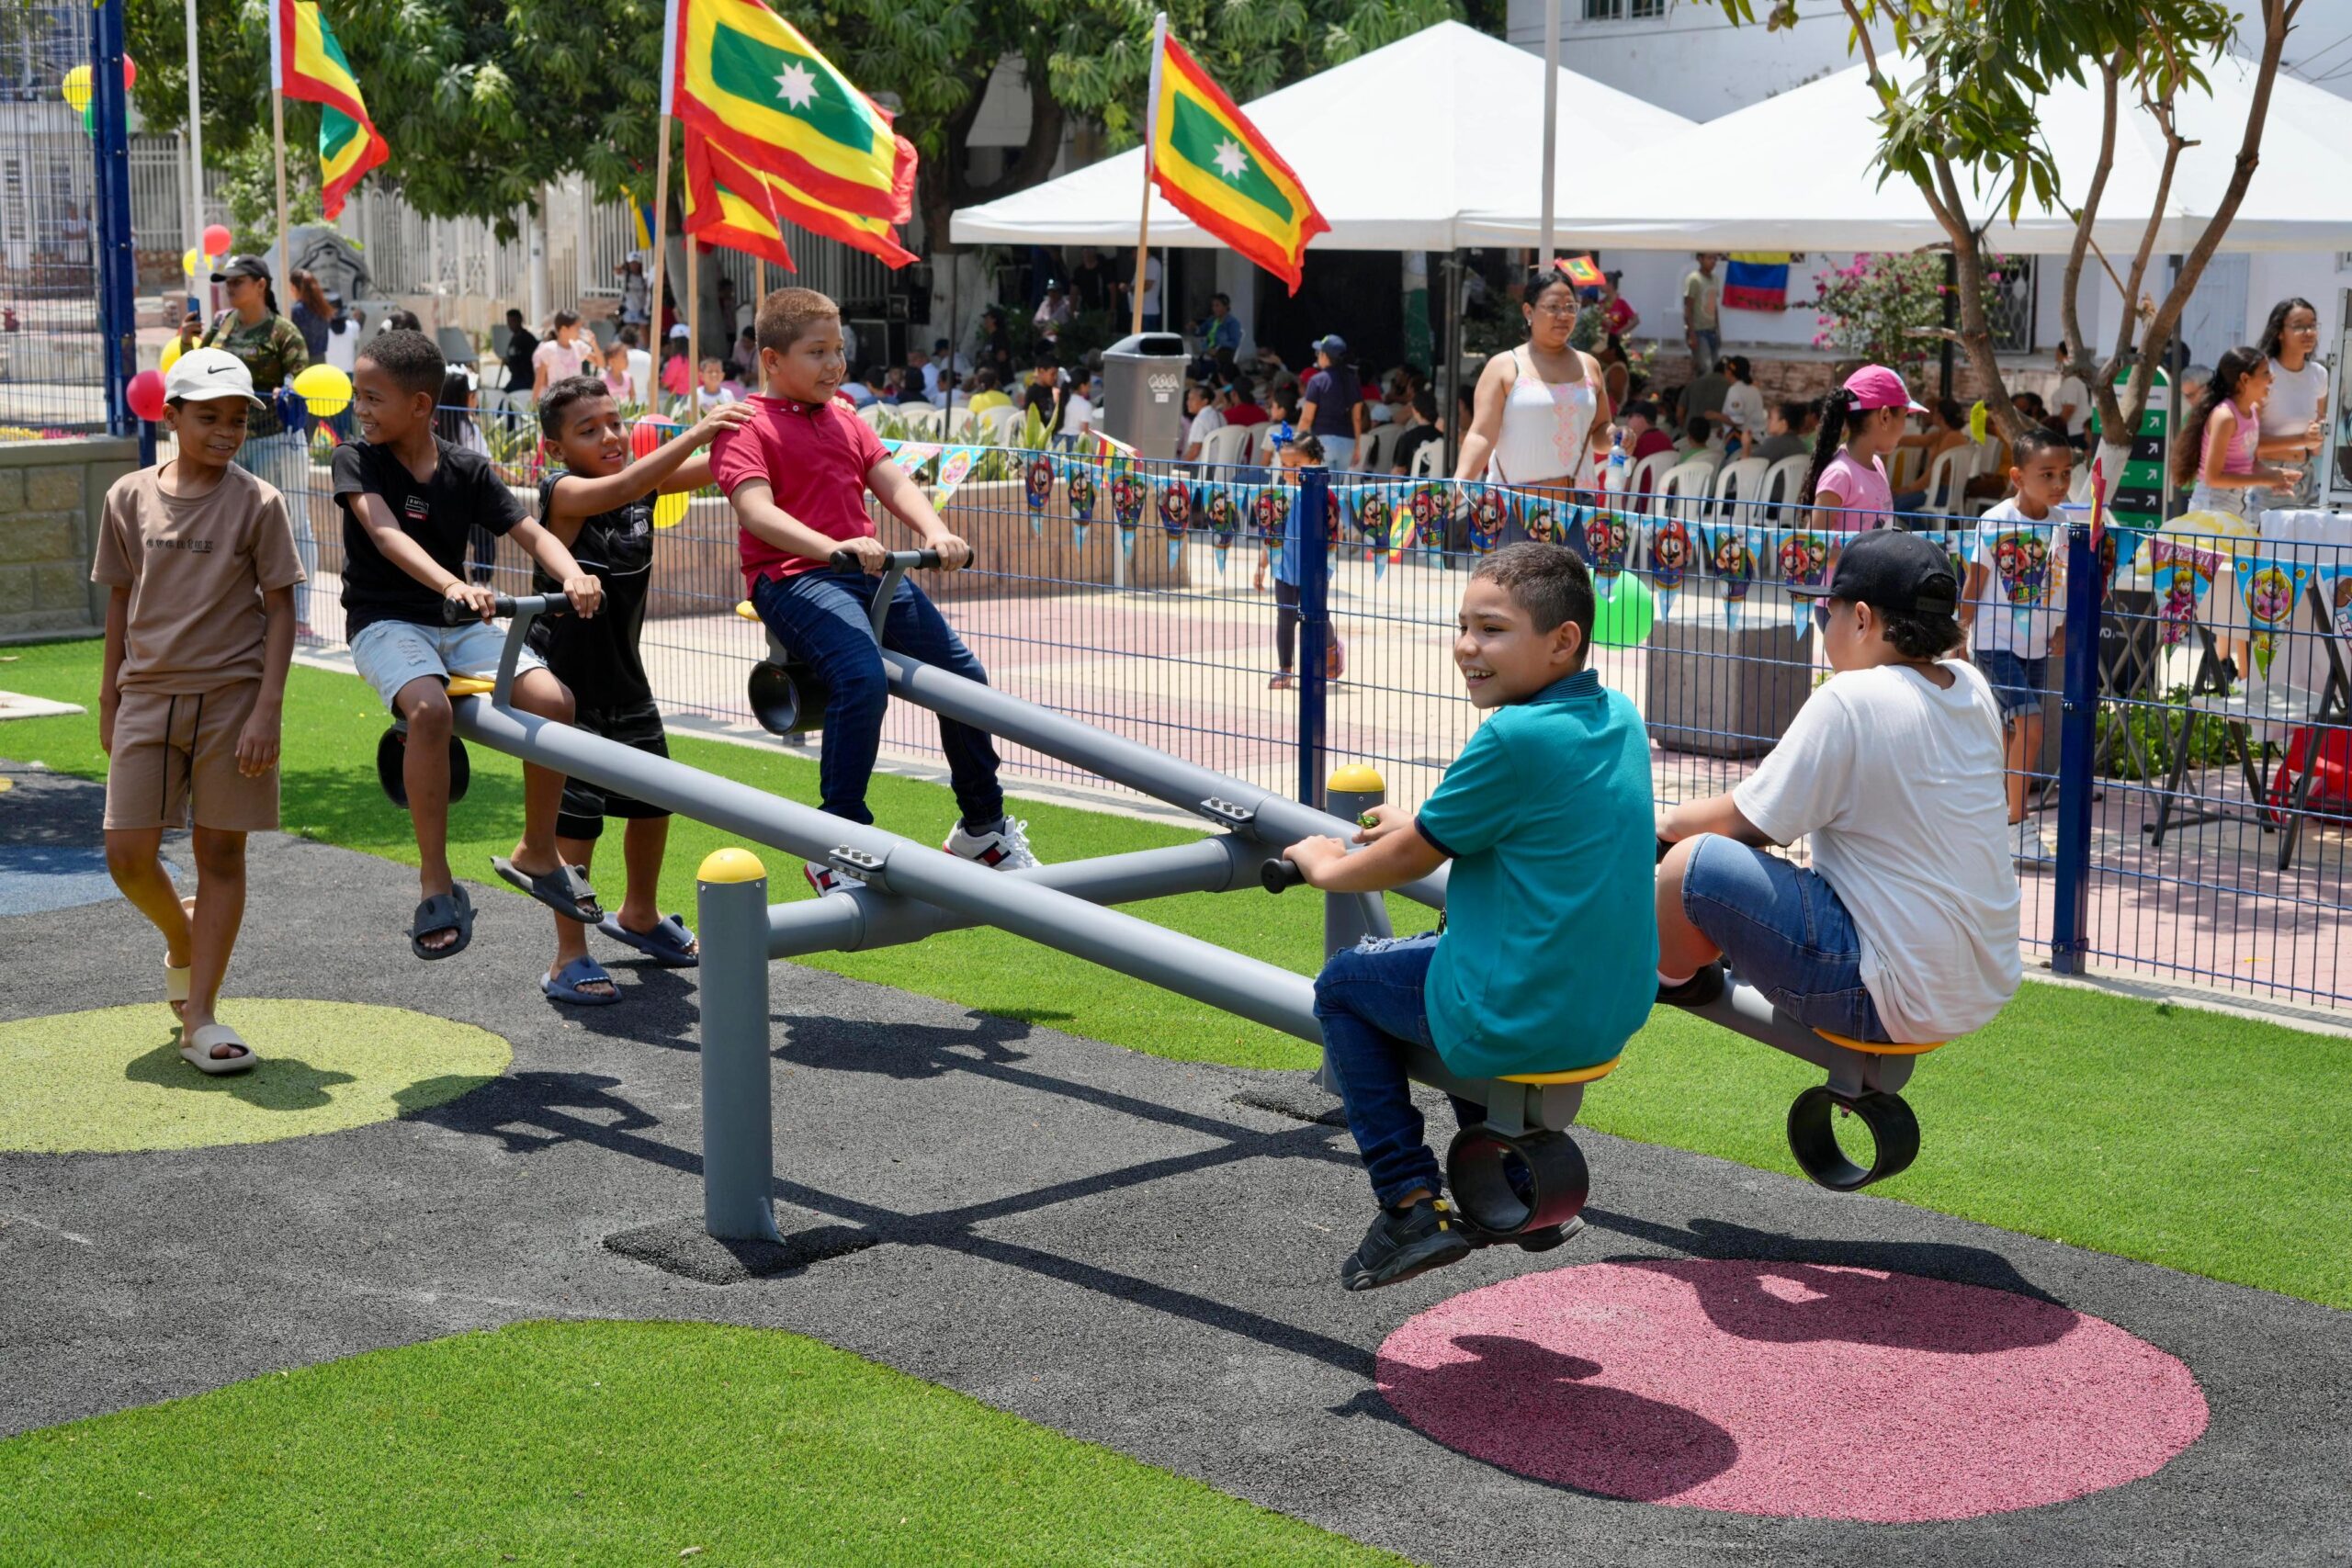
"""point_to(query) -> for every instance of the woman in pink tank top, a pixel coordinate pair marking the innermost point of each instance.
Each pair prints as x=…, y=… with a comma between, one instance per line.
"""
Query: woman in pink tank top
x=1861, y=421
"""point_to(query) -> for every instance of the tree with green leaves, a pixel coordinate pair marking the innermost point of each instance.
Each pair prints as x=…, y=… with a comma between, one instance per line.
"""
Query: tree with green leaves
x=1962, y=117
x=483, y=104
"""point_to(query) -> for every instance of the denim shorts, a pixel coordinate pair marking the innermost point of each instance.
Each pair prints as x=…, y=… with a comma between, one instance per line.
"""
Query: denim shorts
x=2018, y=683
x=1785, y=931
x=390, y=654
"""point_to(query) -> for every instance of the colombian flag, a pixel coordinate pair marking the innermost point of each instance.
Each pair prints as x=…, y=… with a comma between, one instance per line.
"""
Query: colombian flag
x=1757, y=280
x=306, y=64
x=1217, y=170
x=745, y=78
x=730, y=203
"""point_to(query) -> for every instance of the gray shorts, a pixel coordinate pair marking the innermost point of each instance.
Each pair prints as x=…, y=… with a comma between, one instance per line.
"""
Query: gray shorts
x=390, y=654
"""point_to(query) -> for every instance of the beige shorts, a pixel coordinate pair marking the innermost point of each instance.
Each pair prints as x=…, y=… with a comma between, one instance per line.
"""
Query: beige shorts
x=176, y=757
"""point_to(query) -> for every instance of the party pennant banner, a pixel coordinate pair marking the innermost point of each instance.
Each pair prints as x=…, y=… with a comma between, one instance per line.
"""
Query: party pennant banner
x=1731, y=555
x=2271, y=589
x=1270, y=511
x=1542, y=518
x=1670, y=555
x=1492, y=509
x=1176, y=515
x=1038, y=488
x=955, y=468
x=1375, y=512
x=1803, y=555
x=1220, y=512
x=2182, y=575
x=1425, y=508
x=1081, y=486
x=1129, y=496
x=1607, y=539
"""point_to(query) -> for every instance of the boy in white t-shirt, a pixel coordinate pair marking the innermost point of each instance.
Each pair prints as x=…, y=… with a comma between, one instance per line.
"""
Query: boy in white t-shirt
x=2013, y=607
x=1906, y=927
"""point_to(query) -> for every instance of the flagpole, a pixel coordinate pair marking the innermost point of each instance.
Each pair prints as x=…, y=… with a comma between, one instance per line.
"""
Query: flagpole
x=660, y=256
x=277, y=142
x=195, y=149
x=662, y=200
x=1551, y=120
x=1150, y=126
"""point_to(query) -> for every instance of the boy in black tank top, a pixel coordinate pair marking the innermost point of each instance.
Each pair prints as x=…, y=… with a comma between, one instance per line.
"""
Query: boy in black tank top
x=602, y=504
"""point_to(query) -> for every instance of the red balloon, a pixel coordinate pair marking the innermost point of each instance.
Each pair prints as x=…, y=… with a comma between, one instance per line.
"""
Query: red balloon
x=216, y=239
x=145, y=395
x=130, y=72
x=648, y=433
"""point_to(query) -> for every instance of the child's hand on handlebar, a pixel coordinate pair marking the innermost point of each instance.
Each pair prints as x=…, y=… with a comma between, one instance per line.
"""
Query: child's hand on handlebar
x=477, y=599
x=586, y=594
x=871, y=559
x=955, y=554
x=1379, y=822
x=1313, y=856
x=725, y=417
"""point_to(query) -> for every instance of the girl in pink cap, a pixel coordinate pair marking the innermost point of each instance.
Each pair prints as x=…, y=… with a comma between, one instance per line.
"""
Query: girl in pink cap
x=1861, y=421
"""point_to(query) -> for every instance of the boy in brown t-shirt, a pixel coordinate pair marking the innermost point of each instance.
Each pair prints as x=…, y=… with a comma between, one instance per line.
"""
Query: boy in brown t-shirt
x=199, y=554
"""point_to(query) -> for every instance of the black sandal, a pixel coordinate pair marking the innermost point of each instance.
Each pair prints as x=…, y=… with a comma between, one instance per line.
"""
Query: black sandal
x=565, y=889
x=450, y=911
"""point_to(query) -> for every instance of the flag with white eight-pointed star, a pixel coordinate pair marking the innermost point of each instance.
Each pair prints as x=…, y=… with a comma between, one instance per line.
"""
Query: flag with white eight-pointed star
x=1219, y=171
x=743, y=76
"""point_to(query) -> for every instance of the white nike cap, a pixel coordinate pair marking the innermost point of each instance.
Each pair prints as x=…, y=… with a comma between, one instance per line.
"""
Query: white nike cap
x=203, y=373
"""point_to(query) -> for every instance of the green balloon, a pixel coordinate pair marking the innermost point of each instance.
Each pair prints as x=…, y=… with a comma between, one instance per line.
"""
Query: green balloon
x=90, y=117
x=1622, y=611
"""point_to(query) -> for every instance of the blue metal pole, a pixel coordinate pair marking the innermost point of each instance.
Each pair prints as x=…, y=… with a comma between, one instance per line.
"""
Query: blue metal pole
x=1314, y=631
x=2077, y=735
x=115, y=263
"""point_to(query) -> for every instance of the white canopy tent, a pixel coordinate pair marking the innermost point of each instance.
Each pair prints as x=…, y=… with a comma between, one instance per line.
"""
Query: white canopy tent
x=1805, y=183
x=1470, y=112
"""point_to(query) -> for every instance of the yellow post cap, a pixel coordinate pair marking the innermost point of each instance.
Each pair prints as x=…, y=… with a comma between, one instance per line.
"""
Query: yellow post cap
x=1359, y=778
x=744, y=608
x=731, y=866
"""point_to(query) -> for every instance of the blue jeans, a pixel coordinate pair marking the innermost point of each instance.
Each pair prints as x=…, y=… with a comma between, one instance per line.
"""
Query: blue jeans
x=1785, y=931
x=821, y=619
x=284, y=460
x=2018, y=683
x=1710, y=351
x=1368, y=1001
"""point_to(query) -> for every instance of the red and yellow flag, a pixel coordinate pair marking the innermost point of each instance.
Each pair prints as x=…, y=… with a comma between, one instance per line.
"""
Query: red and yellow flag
x=730, y=203
x=745, y=78
x=1218, y=170
x=306, y=64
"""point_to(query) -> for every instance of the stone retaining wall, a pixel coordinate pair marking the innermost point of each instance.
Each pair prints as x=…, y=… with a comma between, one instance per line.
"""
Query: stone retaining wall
x=51, y=493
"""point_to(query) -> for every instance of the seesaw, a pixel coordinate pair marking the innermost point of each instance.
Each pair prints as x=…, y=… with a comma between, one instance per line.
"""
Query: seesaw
x=910, y=890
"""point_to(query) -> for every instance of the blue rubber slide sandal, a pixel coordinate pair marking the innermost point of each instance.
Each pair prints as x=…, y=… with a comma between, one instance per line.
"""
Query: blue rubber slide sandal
x=565, y=889
x=670, y=945
x=566, y=984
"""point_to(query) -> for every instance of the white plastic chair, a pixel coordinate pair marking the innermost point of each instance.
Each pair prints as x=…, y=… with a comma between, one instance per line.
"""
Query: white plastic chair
x=1376, y=453
x=1643, y=478
x=1948, y=483
x=1003, y=426
x=924, y=424
x=872, y=414
x=1228, y=445
x=1683, y=489
x=1782, y=483
x=1426, y=460
x=1739, y=490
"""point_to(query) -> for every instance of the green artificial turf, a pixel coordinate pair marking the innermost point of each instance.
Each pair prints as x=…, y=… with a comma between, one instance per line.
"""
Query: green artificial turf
x=2182, y=1137
x=609, y=1443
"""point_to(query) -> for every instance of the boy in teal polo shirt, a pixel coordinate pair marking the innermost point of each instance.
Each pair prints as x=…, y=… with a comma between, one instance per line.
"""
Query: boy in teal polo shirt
x=1548, y=957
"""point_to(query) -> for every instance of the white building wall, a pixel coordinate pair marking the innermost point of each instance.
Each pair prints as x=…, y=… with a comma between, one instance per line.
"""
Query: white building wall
x=1685, y=56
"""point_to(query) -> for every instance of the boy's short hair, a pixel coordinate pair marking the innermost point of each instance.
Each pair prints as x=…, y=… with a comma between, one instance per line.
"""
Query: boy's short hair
x=1549, y=581
x=2033, y=441
x=557, y=404
x=786, y=314
x=1698, y=429
x=1425, y=405
x=413, y=360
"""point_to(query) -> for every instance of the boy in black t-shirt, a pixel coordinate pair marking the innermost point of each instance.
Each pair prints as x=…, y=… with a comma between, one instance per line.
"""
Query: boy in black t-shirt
x=601, y=505
x=408, y=499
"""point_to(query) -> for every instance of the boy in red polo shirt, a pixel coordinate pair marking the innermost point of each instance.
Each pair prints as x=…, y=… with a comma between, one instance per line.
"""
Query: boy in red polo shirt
x=797, y=475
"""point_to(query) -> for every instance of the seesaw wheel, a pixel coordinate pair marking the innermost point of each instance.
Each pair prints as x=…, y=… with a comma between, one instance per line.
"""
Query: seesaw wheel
x=1510, y=1184
x=1813, y=1136
x=391, y=753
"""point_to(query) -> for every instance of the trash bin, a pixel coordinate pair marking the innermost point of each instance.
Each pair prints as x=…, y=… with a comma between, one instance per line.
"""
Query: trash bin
x=1143, y=393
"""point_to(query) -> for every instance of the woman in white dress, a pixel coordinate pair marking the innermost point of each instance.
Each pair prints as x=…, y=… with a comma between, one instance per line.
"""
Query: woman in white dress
x=1542, y=413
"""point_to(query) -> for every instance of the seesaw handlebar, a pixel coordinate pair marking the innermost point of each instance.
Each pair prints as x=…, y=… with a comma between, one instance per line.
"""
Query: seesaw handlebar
x=1278, y=875
x=846, y=560
x=453, y=613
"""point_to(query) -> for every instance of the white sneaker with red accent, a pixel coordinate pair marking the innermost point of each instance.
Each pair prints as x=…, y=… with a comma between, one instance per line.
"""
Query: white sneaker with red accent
x=825, y=879
x=1007, y=849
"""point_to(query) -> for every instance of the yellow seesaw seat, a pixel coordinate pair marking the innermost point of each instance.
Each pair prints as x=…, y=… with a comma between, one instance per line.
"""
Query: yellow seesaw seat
x=1881, y=1047
x=1581, y=1075
x=470, y=687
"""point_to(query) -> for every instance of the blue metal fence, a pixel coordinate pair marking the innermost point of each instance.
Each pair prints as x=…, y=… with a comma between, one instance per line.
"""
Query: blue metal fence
x=2188, y=806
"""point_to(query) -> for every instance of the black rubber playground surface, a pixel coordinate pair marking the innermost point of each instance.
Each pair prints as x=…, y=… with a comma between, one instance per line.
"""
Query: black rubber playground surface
x=1098, y=1240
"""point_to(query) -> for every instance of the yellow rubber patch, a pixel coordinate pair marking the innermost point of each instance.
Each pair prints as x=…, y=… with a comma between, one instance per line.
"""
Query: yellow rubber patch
x=111, y=1080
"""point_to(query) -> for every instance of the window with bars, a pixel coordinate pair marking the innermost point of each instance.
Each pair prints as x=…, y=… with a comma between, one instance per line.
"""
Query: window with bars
x=1619, y=10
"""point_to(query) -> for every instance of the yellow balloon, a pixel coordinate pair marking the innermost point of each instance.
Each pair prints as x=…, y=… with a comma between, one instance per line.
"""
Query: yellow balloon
x=669, y=511
x=76, y=88
x=188, y=260
x=324, y=389
x=171, y=354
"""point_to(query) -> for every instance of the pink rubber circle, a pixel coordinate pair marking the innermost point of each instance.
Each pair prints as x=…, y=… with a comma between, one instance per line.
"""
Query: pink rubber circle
x=1791, y=1390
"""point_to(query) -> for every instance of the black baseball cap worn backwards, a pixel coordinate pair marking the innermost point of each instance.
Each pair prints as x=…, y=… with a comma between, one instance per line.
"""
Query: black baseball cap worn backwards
x=1892, y=570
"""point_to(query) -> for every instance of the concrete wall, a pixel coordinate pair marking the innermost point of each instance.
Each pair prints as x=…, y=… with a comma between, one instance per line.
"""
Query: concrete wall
x=51, y=493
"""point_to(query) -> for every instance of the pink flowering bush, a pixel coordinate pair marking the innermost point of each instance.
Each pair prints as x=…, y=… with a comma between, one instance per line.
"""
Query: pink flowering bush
x=1877, y=304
